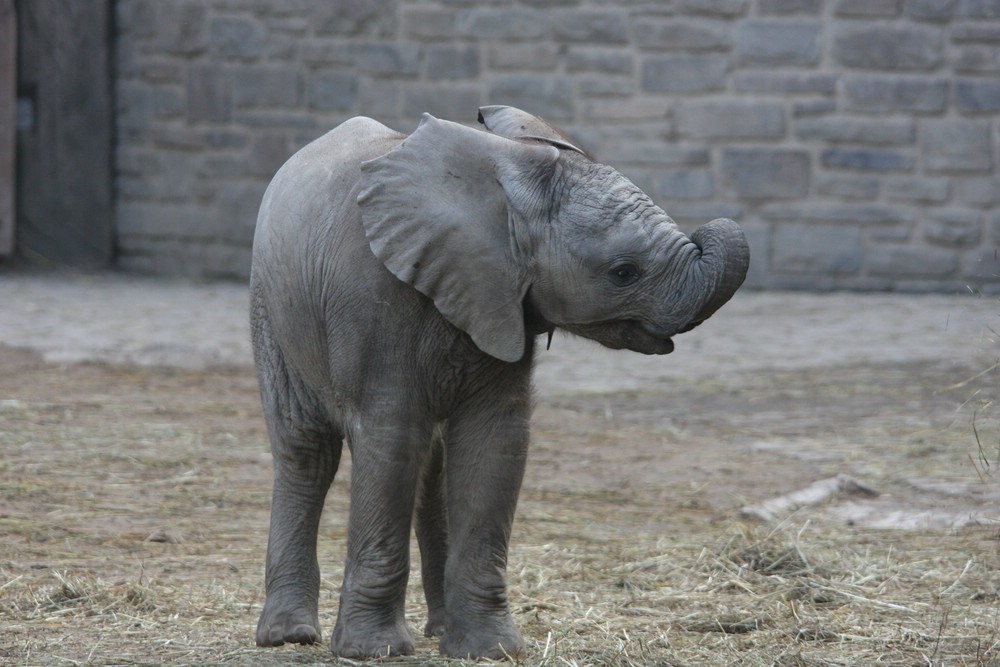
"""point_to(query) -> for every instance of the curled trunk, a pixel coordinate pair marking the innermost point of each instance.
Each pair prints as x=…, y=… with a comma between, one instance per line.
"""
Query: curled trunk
x=721, y=268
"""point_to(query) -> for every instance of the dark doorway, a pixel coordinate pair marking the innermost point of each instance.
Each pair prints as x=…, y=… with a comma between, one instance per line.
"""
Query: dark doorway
x=8, y=115
x=65, y=132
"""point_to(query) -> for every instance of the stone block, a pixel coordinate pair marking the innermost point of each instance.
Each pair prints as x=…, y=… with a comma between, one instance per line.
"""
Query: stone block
x=789, y=6
x=193, y=258
x=163, y=219
x=888, y=46
x=136, y=18
x=209, y=94
x=173, y=137
x=839, y=214
x=977, y=58
x=236, y=38
x=838, y=129
x=730, y=8
x=977, y=95
x=162, y=71
x=624, y=110
x=548, y=96
x=867, y=159
x=331, y=90
x=387, y=59
x=590, y=27
x=506, y=24
x=926, y=190
x=684, y=73
x=981, y=9
x=603, y=60
x=292, y=120
x=221, y=166
x=932, y=10
x=671, y=34
x=806, y=108
x=132, y=189
x=690, y=214
x=779, y=42
x=351, y=18
x=731, y=119
x=180, y=27
x=784, y=83
x=452, y=62
x=524, y=56
x=268, y=151
x=847, y=186
x=167, y=102
x=291, y=26
x=686, y=184
x=954, y=227
x=605, y=86
x=978, y=191
x=236, y=205
x=380, y=98
x=880, y=94
x=911, y=261
x=429, y=24
x=957, y=145
x=136, y=161
x=979, y=31
x=654, y=154
x=866, y=8
x=761, y=173
x=816, y=249
x=266, y=87
x=326, y=54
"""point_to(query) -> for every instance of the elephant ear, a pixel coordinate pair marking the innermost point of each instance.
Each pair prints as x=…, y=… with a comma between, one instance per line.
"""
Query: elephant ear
x=437, y=212
x=520, y=125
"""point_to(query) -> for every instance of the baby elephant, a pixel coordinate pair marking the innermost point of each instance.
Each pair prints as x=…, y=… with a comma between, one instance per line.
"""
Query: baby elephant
x=398, y=286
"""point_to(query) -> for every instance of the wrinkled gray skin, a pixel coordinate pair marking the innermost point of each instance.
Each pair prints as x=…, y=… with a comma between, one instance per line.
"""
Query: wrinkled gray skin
x=398, y=286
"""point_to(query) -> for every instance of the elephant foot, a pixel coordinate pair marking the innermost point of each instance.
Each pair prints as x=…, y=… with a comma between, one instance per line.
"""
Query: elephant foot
x=360, y=642
x=284, y=623
x=435, y=623
x=489, y=639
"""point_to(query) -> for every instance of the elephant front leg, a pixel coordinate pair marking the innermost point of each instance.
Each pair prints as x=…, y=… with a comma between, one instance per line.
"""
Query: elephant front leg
x=486, y=453
x=371, y=621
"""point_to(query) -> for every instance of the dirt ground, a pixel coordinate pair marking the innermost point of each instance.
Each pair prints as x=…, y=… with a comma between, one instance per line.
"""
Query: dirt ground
x=134, y=503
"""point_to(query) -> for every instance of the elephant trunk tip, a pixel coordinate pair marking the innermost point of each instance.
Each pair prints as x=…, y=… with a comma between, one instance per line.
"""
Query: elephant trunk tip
x=724, y=261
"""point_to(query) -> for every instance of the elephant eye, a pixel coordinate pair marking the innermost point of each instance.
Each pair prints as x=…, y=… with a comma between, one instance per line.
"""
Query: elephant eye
x=623, y=274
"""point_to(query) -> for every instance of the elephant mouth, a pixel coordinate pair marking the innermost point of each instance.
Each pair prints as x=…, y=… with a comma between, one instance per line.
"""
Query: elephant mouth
x=624, y=335
x=638, y=339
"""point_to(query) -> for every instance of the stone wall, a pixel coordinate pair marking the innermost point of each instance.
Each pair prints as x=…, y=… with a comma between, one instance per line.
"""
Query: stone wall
x=856, y=140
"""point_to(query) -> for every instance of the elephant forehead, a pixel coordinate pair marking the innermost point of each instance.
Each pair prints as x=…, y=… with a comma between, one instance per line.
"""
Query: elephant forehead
x=609, y=195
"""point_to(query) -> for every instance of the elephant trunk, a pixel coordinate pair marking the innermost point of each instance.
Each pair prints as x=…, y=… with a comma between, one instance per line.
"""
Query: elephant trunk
x=721, y=267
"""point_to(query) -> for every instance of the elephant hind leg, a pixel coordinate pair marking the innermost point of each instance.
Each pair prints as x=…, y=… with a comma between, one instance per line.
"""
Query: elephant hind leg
x=306, y=450
x=292, y=575
x=432, y=534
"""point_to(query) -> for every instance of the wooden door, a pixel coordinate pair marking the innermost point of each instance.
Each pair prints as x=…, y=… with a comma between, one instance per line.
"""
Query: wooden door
x=65, y=205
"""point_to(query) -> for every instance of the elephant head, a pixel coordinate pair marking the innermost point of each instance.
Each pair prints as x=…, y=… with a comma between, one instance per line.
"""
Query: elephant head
x=490, y=223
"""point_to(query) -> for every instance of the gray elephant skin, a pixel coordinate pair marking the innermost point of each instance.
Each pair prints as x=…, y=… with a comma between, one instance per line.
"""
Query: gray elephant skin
x=397, y=289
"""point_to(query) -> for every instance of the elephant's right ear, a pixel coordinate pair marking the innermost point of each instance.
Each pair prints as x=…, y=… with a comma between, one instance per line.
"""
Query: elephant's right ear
x=436, y=212
x=514, y=123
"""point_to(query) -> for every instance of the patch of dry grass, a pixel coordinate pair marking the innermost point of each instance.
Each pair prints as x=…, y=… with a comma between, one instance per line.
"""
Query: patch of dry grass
x=785, y=597
x=133, y=507
x=804, y=597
